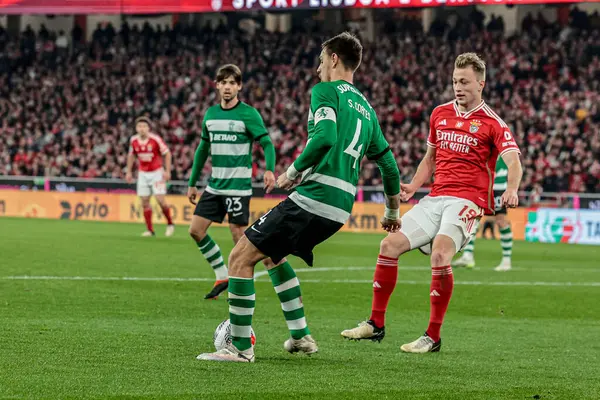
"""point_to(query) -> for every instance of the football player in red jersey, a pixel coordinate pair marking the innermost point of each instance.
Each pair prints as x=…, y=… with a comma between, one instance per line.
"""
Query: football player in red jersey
x=465, y=139
x=149, y=148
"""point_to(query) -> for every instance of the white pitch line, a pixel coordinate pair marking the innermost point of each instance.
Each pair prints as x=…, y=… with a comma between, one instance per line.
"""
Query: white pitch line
x=358, y=281
x=261, y=274
x=474, y=283
x=426, y=268
x=102, y=278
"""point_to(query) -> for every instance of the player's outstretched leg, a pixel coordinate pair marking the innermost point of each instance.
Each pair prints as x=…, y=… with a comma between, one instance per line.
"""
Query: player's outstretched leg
x=467, y=259
x=384, y=282
x=442, y=285
x=506, y=240
x=287, y=287
x=211, y=252
x=242, y=299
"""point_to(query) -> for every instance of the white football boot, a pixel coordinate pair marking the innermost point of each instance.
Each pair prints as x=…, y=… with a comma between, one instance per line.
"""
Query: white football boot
x=307, y=345
x=170, y=230
x=229, y=354
x=148, y=234
x=424, y=344
x=466, y=260
x=505, y=265
x=365, y=330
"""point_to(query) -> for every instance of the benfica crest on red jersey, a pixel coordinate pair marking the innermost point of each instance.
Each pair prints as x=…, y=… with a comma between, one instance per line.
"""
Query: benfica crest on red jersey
x=474, y=126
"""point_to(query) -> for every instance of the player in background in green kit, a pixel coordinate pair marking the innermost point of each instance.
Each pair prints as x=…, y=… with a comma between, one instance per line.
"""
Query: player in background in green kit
x=229, y=130
x=342, y=129
x=506, y=235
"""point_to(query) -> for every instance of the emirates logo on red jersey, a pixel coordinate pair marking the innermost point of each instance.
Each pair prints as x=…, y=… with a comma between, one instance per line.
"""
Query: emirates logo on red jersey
x=455, y=141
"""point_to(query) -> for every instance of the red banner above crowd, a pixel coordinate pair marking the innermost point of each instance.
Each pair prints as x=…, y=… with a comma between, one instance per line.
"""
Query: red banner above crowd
x=182, y=6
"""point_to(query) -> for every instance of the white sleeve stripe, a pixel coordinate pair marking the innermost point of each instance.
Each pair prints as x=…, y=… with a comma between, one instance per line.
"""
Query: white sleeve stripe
x=510, y=150
x=496, y=115
x=492, y=114
x=431, y=144
x=325, y=113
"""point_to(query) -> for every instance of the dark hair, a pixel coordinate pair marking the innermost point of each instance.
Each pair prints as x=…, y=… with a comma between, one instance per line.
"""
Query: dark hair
x=143, y=119
x=347, y=47
x=229, y=70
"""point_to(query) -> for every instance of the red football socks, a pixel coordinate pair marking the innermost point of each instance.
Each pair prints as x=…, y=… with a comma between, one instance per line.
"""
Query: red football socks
x=384, y=282
x=148, y=218
x=167, y=212
x=442, y=284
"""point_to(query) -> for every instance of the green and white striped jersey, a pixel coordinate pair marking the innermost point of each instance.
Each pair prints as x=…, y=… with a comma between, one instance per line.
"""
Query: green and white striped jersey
x=328, y=189
x=501, y=177
x=231, y=133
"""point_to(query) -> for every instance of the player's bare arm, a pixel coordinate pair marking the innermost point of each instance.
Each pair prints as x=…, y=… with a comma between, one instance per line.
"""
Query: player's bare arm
x=269, y=181
x=128, y=174
x=510, y=198
x=424, y=172
x=392, y=202
x=390, y=222
x=192, y=194
x=288, y=179
x=168, y=161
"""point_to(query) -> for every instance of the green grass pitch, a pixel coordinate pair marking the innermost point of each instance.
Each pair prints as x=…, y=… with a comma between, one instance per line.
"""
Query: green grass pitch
x=529, y=333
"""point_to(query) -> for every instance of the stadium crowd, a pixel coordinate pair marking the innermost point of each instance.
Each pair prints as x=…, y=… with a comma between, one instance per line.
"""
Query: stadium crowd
x=67, y=107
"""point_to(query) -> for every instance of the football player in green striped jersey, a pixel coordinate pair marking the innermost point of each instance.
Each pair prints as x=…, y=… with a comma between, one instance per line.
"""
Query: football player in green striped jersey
x=342, y=129
x=229, y=130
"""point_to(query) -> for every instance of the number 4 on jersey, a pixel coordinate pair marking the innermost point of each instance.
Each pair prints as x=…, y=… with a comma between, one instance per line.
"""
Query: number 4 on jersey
x=351, y=150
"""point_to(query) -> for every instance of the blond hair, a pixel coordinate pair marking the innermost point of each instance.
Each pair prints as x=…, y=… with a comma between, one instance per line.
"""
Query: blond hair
x=472, y=60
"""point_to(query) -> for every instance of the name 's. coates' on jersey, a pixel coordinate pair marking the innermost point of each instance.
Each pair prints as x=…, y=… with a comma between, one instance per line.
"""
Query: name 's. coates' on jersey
x=356, y=106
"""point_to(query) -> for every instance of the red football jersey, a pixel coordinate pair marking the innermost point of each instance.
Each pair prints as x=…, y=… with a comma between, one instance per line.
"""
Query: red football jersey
x=149, y=152
x=467, y=146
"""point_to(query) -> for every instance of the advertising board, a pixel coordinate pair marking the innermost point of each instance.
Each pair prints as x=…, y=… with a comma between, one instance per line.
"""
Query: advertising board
x=200, y=6
x=559, y=225
x=119, y=207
